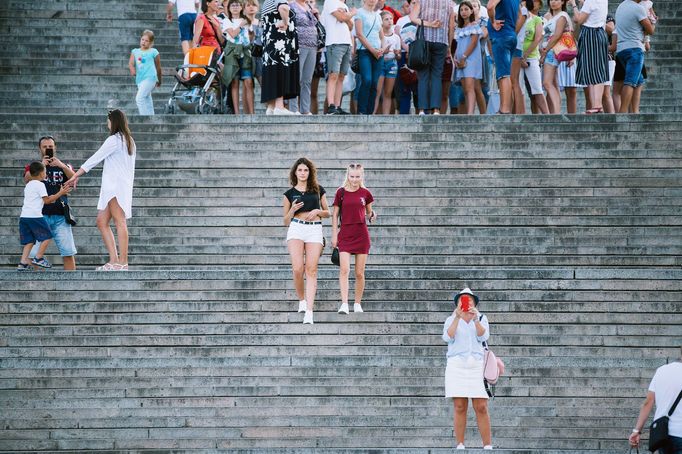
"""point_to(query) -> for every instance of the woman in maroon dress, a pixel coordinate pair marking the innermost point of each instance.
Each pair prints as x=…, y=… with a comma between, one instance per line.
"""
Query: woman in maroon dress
x=353, y=207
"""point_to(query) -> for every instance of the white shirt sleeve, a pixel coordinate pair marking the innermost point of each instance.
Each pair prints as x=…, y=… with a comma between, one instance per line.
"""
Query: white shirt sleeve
x=108, y=147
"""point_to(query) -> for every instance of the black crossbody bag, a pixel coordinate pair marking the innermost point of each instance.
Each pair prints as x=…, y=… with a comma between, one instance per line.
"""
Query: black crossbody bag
x=68, y=214
x=335, y=253
x=659, y=438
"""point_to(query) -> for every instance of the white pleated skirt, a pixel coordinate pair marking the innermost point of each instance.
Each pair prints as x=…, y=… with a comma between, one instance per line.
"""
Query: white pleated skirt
x=464, y=378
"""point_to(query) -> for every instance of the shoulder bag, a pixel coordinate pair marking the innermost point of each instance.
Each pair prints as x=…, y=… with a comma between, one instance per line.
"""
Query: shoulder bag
x=659, y=438
x=566, y=48
x=68, y=214
x=418, y=54
x=493, y=367
x=335, y=253
x=324, y=240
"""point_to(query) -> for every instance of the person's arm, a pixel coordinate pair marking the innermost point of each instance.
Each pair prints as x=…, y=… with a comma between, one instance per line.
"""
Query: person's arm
x=520, y=21
x=131, y=64
x=536, y=41
x=644, y=412
x=233, y=32
x=48, y=199
x=452, y=329
x=68, y=171
x=283, y=9
x=558, y=31
x=482, y=330
x=342, y=15
x=370, y=213
x=613, y=45
x=169, y=12
x=108, y=147
x=497, y=24
x=578, y=16
x=198, y=26
x=648, y=27
x=470, y=49
x=335, y=225
x=452, y=21
x=157, y=63
x=290, y=210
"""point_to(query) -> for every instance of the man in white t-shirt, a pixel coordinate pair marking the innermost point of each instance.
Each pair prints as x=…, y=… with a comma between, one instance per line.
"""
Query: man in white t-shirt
x=187, y=14
x=664, y=389
x=337, y=20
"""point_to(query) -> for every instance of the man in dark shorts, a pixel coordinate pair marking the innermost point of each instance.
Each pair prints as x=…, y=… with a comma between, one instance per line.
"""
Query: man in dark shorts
x=187, y=14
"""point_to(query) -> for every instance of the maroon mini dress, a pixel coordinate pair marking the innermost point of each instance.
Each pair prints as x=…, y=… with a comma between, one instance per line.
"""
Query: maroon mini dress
x=353, y=233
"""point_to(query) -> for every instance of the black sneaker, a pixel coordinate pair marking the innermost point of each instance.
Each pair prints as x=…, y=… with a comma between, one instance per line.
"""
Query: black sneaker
x=332, y=110
x=340, y=111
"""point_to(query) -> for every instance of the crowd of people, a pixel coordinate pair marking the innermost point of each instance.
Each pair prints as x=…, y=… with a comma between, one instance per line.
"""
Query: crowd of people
x=490, y=58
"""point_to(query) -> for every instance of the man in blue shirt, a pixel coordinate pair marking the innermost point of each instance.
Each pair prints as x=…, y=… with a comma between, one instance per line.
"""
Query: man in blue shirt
x=504, y=15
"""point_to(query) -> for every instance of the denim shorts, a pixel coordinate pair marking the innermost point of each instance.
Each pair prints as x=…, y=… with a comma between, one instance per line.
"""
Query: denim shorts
x=550, y=59
x=338, y=58
x=503, y=49
x=456, y=95
x=632, y=60
x=186, y=26
x=244, y=73
x=32, y=230
x=62, y=235
x=389, y=70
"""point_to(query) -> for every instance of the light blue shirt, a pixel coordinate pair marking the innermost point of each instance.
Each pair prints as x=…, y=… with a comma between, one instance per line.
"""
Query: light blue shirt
x=371, y=24
x=145, y=66
x=465, y=343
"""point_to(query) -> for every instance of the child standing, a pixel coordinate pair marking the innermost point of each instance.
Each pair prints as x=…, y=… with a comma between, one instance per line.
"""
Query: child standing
x=468, y=63
x=530, y=59
x=235, y=27
x=32, y=225
x=145, y=66
x=389, y=70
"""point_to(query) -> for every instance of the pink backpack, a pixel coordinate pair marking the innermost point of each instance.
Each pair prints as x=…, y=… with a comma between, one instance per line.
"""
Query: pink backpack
x=493, y=367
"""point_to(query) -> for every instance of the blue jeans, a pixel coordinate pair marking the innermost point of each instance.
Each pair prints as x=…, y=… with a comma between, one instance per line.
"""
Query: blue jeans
x=674, y=448
x=429, y=83
x=632, y=60
x=503, y=49
x=370, y=71
x=145, y=105
x=62, y=236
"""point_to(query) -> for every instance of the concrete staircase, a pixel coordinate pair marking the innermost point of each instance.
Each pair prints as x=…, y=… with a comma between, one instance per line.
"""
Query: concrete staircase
x=567, y=226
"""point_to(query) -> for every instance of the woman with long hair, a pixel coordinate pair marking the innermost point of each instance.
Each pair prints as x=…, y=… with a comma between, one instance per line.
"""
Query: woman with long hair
x=305, y=205
x=556, y=22
x=352, y=207
x=465, y=331
x=116, y=193
x=207, y=27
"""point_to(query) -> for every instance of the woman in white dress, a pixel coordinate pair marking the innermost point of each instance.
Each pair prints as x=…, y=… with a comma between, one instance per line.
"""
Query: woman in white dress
x=465, y=331
x=116, y=193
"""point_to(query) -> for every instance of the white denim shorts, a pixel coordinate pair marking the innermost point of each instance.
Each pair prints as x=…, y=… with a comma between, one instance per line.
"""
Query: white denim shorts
x=534, y=76
x=308, y=233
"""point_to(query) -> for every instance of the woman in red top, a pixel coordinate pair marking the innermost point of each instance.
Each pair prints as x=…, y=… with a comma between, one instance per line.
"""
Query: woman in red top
x=207, y=27
x=352, y=205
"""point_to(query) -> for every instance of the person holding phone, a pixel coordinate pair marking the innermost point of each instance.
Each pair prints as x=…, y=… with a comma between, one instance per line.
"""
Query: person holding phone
x=305, y=205
x=352, y=208
x=465, y=331
x=57, y=173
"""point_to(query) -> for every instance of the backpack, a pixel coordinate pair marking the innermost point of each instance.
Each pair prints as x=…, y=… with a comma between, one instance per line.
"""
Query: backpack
x=493, y=367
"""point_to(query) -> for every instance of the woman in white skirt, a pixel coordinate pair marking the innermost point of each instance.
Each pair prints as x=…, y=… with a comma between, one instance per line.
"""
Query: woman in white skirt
x=116, y=193
x=305, y=205
x=465, y=331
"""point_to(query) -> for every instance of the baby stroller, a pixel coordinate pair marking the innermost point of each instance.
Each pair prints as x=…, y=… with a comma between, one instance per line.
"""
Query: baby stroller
x=198, y=88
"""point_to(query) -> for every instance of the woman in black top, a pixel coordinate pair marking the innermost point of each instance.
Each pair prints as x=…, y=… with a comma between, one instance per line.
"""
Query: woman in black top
x=305, y=205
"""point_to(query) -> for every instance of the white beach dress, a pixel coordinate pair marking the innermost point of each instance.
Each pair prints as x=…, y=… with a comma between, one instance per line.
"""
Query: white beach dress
x=118, y=173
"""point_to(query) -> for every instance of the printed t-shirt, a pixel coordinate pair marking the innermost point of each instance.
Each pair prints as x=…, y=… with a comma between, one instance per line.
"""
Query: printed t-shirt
x=145, y=68
x=353, y=205
x=55, y=179
x=531, y=25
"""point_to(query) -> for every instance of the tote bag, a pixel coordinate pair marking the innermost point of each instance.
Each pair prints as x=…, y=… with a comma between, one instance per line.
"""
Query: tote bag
x=418, y=55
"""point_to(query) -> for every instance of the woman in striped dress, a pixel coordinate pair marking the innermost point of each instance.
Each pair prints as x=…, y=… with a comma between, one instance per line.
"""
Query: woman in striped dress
x=593, y=50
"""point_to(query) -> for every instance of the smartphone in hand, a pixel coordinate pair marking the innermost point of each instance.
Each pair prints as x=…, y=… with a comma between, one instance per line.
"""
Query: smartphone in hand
x=466, y=303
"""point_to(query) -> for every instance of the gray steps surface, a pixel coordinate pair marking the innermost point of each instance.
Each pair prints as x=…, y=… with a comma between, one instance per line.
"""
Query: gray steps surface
x=217, y=359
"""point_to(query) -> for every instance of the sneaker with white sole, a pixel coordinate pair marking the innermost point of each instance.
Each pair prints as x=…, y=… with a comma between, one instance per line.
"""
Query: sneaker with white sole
x=460, y=446
x=279, y=111
x=308, y=318
x=344, y=309
x=488, y=447
x=268, y=111
x=357, y=308
x=302, y=306
x=41, y=262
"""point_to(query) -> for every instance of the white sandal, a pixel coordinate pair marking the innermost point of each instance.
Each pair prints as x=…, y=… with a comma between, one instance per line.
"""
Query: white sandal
x=106, y=267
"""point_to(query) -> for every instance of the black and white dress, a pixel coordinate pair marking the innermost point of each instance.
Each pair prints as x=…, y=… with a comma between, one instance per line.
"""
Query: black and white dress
x=280, y=55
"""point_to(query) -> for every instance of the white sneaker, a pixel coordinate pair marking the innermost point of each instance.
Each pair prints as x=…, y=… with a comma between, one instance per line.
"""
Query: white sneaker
x=343, y=309
x=278, y=111
x=490, y=447
x=308, y=318
x=357, y=308
x=268, y=111
x=302, y=306
x=460, y=446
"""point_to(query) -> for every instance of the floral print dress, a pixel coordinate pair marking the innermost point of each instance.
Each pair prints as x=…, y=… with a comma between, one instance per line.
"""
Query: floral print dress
x=280, y=58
